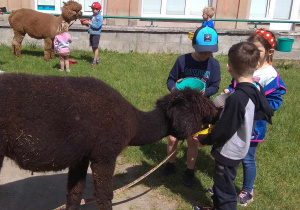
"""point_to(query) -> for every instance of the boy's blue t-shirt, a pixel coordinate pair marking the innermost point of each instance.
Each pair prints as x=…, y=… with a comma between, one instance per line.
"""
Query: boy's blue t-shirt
x=208, y=71
x=208, y=23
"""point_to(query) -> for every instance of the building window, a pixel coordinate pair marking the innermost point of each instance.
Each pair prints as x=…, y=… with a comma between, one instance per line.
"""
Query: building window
x=54, y=6
x=259, y=8
x=152, y=6
x=274, y=9
x=46, y=5
x=174, y=8
x=197, y=7
x=283, y=9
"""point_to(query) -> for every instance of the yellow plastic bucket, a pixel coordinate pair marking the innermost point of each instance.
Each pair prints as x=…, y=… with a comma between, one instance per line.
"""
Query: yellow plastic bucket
x=191, y=35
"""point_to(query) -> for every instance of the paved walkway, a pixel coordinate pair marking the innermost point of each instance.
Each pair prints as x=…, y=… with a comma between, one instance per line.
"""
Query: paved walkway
x=293, y=55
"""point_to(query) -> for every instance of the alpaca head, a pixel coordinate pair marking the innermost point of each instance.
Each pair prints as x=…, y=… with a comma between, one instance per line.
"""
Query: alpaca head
x=185, y=111
x=71, y=11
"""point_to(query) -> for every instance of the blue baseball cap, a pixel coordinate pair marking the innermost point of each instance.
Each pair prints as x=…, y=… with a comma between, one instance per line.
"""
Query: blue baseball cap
x=206, y=39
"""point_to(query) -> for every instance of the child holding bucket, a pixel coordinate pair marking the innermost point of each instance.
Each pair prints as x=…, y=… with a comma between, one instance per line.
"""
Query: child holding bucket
x=62, y=45
x=199, y=64
x=95, y=25
x=274, y=88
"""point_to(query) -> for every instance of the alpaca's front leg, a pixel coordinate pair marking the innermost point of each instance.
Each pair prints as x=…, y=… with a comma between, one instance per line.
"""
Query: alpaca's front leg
x=16, y=43
x=48, y=48
x=76, y=184
x=102, y=174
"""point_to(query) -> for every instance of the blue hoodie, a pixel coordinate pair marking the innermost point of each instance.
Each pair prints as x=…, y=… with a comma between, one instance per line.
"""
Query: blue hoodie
x=97, y=21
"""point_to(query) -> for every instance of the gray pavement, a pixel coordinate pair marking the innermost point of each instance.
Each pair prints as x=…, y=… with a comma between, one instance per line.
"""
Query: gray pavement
x=21, y=190
x=293, y=55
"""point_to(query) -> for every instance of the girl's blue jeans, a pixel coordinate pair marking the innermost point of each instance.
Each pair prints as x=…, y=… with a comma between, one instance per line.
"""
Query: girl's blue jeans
x=249, y=168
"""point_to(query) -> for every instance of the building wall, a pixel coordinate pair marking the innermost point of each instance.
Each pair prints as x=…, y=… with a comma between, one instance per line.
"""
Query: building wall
x=225, y=9
x=16, y=4
x=125, y=39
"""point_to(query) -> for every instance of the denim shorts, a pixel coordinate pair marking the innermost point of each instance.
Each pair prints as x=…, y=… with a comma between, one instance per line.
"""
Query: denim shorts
x=94, y=40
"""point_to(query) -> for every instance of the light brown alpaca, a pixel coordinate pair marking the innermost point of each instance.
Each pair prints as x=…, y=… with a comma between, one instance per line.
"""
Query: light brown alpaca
x=40, y=26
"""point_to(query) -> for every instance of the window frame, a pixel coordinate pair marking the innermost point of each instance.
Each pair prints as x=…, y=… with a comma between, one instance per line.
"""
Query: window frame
x=271, y=9
x=163, y=11
x=58, y=10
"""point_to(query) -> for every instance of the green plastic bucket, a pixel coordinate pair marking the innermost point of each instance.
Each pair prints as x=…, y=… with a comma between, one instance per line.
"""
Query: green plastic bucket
x=285, y=44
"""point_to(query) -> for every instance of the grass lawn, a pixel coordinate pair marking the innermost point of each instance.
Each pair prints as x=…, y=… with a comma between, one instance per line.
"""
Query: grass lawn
x=141, y=79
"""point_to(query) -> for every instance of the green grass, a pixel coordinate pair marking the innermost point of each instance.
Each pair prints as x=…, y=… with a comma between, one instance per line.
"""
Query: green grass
x=141, y=79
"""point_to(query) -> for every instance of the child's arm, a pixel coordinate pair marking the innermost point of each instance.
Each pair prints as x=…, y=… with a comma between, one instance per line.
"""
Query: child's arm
x=274, y=97
x=215, y=79
x=230, y=87
x=55, y=43
x=231, y=119
x=198, y=140
x=173, y=76
x=70, y=39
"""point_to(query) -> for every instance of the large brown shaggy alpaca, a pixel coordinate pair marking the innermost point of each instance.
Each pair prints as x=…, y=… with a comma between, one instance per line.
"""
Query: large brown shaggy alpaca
x=40, y=26
x=49, y=123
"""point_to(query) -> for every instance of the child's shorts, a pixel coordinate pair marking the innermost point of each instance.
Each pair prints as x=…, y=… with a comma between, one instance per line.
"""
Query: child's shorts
x=64, y=56
x=94, y=40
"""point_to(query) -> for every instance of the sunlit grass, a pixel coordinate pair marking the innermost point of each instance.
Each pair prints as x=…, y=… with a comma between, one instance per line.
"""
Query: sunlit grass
x=141, y=79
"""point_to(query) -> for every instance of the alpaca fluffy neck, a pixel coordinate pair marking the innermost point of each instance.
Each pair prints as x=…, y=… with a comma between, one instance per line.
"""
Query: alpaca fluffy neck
x=61, y=18
x=151, y=127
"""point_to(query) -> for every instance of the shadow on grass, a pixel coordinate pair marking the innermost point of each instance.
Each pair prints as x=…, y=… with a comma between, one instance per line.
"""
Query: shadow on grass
x=82, y=57
x=198, y=194
x=2, y=63
x=37, y=53
x=56, y=66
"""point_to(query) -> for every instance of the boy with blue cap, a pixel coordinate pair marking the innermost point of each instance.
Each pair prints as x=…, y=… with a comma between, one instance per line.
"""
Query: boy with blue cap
x=199, y=64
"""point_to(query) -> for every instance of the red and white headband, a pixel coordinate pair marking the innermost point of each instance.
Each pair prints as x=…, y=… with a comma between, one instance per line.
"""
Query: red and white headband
x=267, y=36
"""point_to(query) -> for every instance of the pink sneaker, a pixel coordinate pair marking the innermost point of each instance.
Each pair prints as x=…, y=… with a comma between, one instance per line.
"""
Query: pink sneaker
x=245, y=198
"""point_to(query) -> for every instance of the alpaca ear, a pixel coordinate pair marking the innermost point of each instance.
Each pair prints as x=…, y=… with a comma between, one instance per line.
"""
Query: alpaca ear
x=65, y=4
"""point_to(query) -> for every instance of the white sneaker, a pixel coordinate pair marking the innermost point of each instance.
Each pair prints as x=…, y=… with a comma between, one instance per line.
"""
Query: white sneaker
x=68, y=70
x=1, y=72
x=60, y=70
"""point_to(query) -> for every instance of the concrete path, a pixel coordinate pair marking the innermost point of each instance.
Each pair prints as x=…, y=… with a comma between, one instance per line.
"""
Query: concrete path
x=20, y=190
x=293, y=55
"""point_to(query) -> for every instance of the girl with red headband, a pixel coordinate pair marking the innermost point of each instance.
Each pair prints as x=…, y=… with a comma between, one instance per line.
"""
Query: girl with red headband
x=274, y=88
